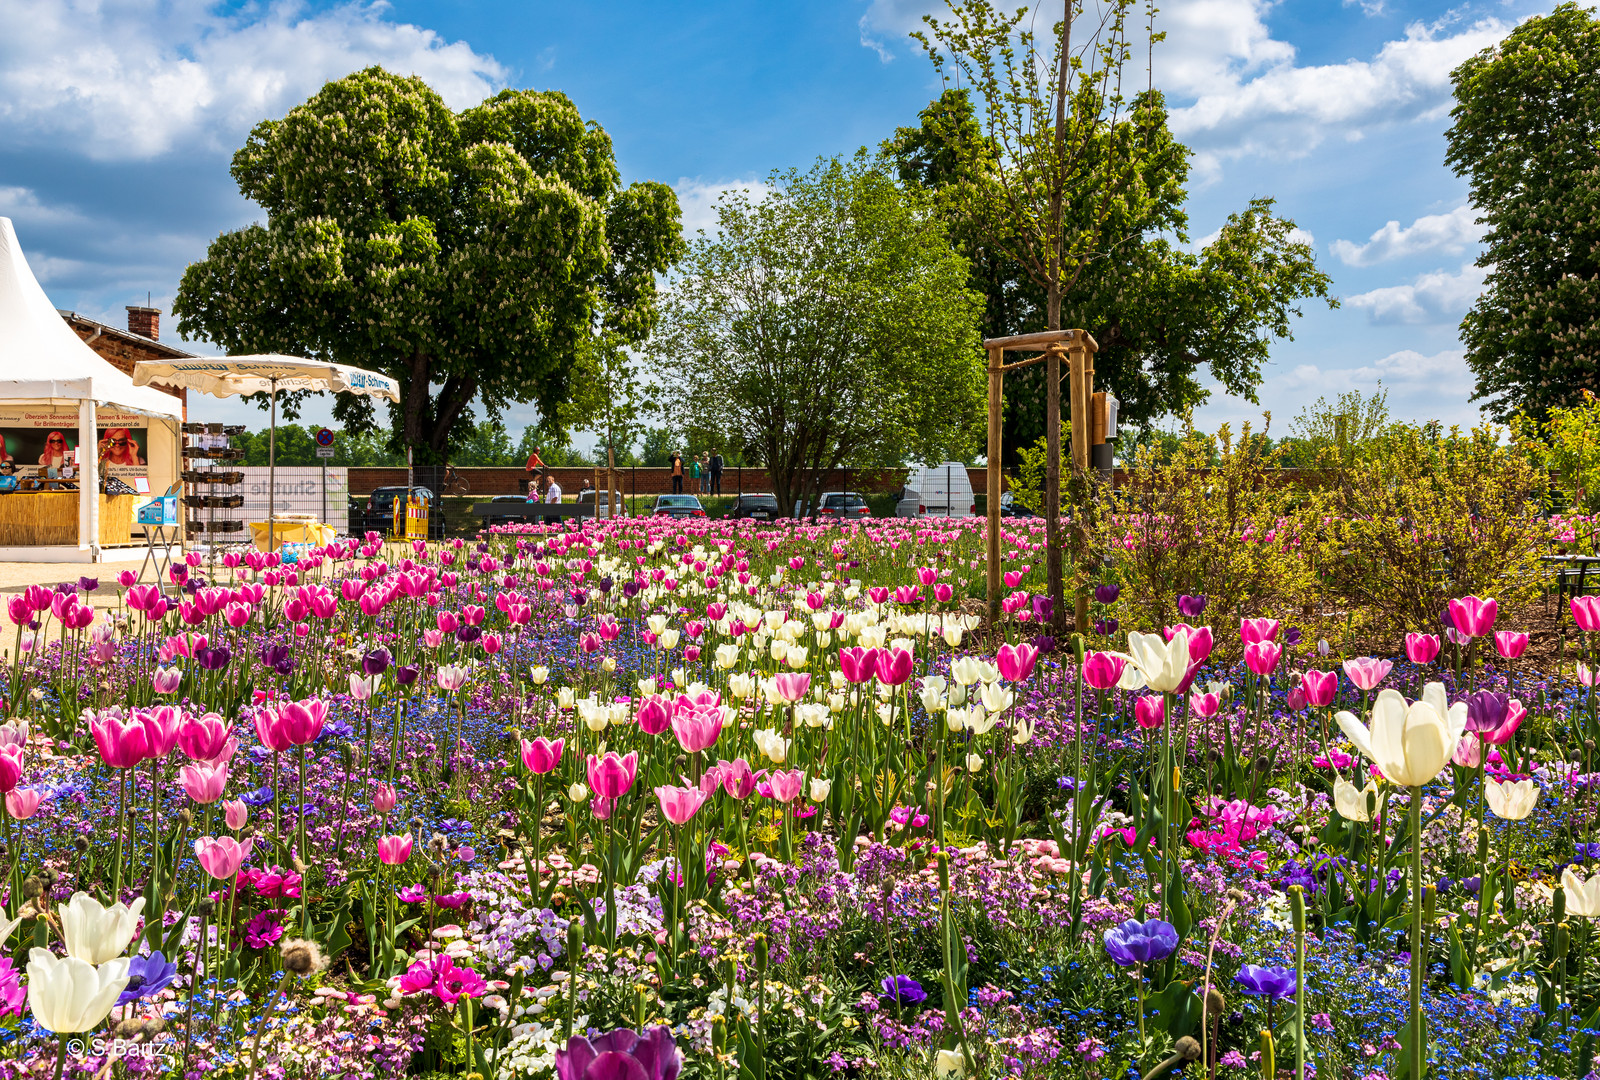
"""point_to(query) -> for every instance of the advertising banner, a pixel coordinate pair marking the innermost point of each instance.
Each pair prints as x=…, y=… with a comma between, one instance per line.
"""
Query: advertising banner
x=39, y=439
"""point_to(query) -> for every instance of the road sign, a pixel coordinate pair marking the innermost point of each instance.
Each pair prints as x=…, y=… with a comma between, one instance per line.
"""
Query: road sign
x=325, y=451
x=325, y=438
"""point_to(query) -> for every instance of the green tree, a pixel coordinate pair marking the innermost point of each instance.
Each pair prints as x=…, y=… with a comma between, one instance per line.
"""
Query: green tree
x=829, y=323
x=1159, y=311
x=1527, y=137
x=487, y=443
x=1340, y=431
x=468, y=255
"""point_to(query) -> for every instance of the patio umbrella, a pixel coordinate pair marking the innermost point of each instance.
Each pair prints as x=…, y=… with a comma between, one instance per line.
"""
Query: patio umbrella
x=224, y=376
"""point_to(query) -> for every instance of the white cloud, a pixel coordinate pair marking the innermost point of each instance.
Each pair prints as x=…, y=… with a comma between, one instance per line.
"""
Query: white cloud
x=1449, y=234
x=139, y=78
x=1287, y=110
x=23, y=205
x=1436, y=297
x=698, y=200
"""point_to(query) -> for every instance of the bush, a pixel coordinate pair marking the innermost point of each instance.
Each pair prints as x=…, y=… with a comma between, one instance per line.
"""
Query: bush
x=1426, y=517
x=1209, y=517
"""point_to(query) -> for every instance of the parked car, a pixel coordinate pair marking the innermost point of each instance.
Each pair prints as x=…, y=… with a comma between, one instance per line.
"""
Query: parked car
x=840, y=506
x=942, y=490
x=678, y=506
x=377, y=513
x=1010, y=508
x=760, y=506
x=589, y=498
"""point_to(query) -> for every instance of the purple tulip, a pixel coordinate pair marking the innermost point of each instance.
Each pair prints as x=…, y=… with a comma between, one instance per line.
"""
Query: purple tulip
x=1192, y=606
x=1486, y=710
x=1044, y=609
x=1107, y=594
x=406, y=674
x=376, y=662
x=1141, y=942
x=1274, y=982
x=1106, y=627
x=621, y=1055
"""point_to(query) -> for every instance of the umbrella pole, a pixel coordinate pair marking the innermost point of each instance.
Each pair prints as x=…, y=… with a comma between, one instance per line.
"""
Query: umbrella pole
x=272, y=470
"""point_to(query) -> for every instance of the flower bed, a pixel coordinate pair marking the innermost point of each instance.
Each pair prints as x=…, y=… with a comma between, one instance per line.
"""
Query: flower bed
x=777, y=800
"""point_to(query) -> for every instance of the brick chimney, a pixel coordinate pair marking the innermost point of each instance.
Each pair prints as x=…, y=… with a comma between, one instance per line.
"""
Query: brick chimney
x=145, y=321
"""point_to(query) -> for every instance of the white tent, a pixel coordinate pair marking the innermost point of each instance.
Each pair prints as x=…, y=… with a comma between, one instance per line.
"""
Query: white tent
x=42, y=362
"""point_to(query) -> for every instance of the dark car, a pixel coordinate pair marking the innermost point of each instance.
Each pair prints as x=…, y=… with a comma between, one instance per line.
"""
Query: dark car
x=377, y=513
x=1010, y=508
x=760, y=507
x=679, y=506
x=841, y=506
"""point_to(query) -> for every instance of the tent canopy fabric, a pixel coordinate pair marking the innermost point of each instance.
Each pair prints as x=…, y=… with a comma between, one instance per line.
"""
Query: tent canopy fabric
x=41, y=359
x=225, y=376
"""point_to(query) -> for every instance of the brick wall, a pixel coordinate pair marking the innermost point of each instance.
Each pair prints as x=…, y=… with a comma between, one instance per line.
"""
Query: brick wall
x=488, y=482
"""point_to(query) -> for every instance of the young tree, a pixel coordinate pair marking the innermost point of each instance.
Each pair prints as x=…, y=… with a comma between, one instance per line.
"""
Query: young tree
x=468, y=255
x=827, y=324
x=1527, y=137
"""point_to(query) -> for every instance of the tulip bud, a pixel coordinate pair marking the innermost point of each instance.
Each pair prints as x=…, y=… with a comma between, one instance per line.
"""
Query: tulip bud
x=1269, y=1057
x=574, y=943
x=1297, y=907
x=1558, y=905
x=1430, y=899
x=1483, y=846
x=1078, y=648
x=759, y=944
x=943, y=860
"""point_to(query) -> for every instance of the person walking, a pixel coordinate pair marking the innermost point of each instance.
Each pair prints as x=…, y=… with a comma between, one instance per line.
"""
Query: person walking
x=677, y=473
x=714, y=472
x=697, y=473
x=552, y=495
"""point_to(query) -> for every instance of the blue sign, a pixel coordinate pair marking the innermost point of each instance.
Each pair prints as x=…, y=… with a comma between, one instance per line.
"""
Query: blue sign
x=324, y=437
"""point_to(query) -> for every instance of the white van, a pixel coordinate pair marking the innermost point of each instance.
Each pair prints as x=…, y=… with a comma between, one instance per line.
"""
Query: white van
x=942, y=490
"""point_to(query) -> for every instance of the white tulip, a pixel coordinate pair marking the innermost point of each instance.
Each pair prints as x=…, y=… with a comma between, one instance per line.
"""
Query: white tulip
x=949, y=1065
x=577, y=793
x=820, y=789
x=741, y=685
x=1511, y=801
x=95, y=933
x=796, y=657
x=1583, y=897
x=1351, y=802
x=1023, y=734
x=974, y=762
x=69, y=994
x=647, y=686
x=1410, y=744
x=539, y=675
x=773, y=745
x=965, y=670
x=996, y=698
x=727, y=655
x=1164, y=664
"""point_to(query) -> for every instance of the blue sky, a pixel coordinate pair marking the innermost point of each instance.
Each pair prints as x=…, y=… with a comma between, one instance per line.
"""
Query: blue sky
x=118, y=118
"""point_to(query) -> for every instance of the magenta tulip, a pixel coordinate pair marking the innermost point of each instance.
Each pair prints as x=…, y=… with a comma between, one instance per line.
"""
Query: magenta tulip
x=697, y=726
x=1016, y=661
x=302, y=721
x=203, y=783
x=857, y=664
x=541, y=756
x=383, y=798
x=894, y=666
x=121, y=745
x=1319, y=687
x=1422, y=648
x=786, y=785
x=202, y=738
x=1472, y=616
x=394, y=850
x=793, y=686
x=737, y=778
x=1261, y=657
x=654, y=715
x=1586, y=613
x=1102, y=670
x=1510, y=643
x=1150, y=711
x=1254, y=630
x=612, y=776
x=235, y=813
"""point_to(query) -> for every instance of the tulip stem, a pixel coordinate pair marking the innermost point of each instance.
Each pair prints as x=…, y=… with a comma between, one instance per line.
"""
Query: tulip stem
x=1419, y=964
x=61, y=1055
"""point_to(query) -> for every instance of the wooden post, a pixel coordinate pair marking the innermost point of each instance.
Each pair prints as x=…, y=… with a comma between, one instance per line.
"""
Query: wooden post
x=1052, y=486
x=992, y=555
x=1081, y=427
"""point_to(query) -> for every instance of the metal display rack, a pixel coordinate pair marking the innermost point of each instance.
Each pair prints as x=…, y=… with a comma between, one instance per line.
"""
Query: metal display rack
x=209, y=464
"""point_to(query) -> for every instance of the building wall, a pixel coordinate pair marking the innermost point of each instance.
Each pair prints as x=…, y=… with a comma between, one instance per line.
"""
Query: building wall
x=122, y=351
x=489, y=482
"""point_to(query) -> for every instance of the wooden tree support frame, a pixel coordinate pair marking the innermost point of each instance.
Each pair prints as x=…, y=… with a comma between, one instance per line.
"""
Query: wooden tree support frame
x=1079, y=348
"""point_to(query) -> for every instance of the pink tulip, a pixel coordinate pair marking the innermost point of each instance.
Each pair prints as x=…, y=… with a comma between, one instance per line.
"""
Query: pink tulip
x=270, y=730
x=492, y=643
x=1201, y=642
x=203, y=738
x=1469, y=752
x=301, y=721
x=612, y=776
x=432, y=638
x=679, y=804
x=697, y=726
x=452, y=677
x=1319, y=687
x=1472, y=616
x=1150, y=711
x=166, y=680
x=1367, y=672
x=858, y=664
x=1422, y=648
x=237, y=615
x=235, y=813
x=1254, y=630
x=121, y=745
x=590, y=642
x=1204, y=706
x=893, y=666
x=1102, y=670
x=792, y=686
x=1585, y=612
x=22, y=803
x=221, y=856
x=1016, y=661
x=394, y=850
x=204, y=784
x=737, y=778
x=1261, y=657
x=541, y=756
x=384, y=798
x=655, y=713
x=786, y=785
x=1510, y=644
